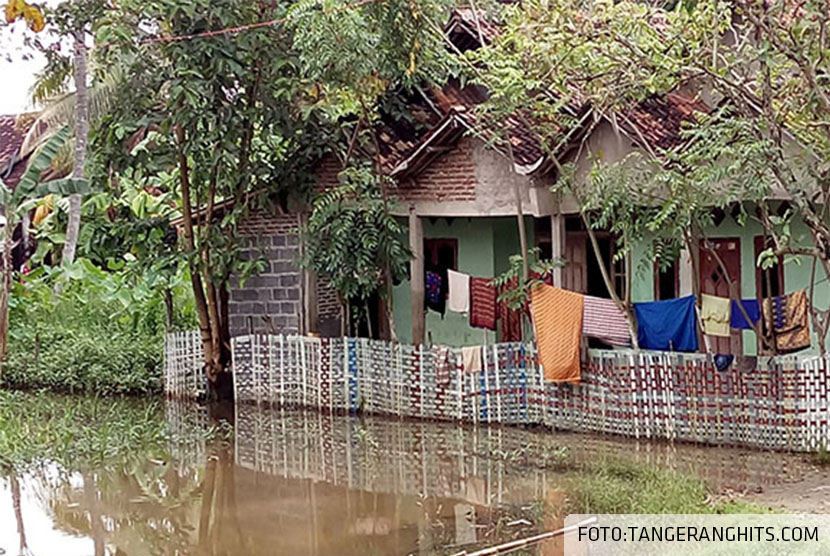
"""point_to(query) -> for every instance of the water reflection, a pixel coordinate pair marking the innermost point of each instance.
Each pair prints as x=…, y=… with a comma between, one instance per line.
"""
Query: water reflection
x=294, y=483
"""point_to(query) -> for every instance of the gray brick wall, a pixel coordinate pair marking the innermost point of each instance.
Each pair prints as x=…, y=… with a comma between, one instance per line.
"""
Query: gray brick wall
x=271, y=300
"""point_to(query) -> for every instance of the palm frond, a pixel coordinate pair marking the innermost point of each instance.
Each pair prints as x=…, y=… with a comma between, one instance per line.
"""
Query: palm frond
x=51, y=82
x=39, y=163
x=63, y=187
x=63, y=162
x=60, y=111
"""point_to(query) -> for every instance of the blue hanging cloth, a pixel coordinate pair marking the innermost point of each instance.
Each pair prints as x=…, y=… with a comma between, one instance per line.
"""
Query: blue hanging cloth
x=753, y=311
x=667, y=325
x=435, y=286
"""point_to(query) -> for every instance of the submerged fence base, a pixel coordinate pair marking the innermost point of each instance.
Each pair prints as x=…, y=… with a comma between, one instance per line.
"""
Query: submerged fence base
x=779, y=403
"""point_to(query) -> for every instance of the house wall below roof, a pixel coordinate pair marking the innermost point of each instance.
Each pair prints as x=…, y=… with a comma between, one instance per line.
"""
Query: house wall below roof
x=271, y=301
x=484, y=248
x=604, y=145
x=470, y=180
x=485, y=245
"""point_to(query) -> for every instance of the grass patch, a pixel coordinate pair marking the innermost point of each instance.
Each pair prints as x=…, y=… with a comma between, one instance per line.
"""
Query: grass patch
x=821, y=457
x=635, y=488
x=88, y=347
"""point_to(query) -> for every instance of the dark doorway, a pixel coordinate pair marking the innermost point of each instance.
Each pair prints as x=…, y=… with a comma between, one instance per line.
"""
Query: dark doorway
x=769, y=282
x=666, y=281
x=596, y=285
x=375, y=311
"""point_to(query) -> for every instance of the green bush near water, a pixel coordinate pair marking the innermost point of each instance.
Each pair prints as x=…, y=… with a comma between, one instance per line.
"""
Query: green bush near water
x=102, y=335
x=77, y=432
x=84, y=351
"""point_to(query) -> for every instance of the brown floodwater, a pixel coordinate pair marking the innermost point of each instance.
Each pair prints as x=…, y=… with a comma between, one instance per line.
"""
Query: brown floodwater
x=305, y=483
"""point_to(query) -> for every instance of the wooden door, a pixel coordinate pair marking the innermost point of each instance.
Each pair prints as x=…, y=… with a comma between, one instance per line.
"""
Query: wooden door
x=575, y=273
x=714, y=281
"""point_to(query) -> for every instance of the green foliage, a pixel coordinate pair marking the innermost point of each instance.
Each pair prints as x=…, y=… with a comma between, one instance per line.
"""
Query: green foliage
x=76, y=432
x=821, y=457
x=517, y=295
x=103, y=334
x=633, y=488
x=354, y=56
x=215, y=118
x=351, y=237
x=31, y=187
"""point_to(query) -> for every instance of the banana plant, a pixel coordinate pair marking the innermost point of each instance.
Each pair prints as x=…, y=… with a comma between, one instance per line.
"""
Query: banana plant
x=16, y=202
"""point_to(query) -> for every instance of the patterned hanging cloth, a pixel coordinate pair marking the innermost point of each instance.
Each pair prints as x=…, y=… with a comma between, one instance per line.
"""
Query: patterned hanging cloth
x=443, y=364
x=786, y=316
x=602, y=319
x=482, y=303
x=510, y=319
x=436, y=292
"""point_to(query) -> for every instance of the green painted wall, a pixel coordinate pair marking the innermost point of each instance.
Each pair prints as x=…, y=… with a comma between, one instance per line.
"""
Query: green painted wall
x=796, y=270
x=484, y=247
x=642, y=282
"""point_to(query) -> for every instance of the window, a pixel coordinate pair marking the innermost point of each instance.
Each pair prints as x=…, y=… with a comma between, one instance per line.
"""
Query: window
x=666, y=282
x=769, y=282
x=615, y=266
x=542, y=235
x=441, y=254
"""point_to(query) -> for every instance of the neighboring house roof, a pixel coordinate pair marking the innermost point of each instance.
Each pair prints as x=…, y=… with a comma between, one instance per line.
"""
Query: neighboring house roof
x=13, y=129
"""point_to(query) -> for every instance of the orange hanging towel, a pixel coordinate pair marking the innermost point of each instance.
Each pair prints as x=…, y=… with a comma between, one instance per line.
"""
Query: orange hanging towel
x=557, y=319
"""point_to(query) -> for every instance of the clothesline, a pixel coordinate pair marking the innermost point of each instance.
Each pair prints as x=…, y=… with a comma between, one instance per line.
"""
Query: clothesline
x=561, y=318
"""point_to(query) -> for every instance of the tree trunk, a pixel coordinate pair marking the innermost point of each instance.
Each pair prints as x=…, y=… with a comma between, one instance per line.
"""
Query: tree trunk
x=18, y=513
x=5, y=288
x=209, y=325
x=168, y=309
x=81, y=136
x=416, y=278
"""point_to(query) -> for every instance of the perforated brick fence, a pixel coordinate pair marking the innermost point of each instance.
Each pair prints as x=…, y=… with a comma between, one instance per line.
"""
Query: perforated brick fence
x=781, y=403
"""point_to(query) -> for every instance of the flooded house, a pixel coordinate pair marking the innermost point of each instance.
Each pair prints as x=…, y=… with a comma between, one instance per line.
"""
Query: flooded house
x=459, y=192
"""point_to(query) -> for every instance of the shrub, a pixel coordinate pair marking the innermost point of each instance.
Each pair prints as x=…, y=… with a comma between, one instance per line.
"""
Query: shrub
x=101, y=335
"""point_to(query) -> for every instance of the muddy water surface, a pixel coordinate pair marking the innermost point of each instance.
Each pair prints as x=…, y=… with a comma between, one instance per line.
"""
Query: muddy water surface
x=296, y=483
